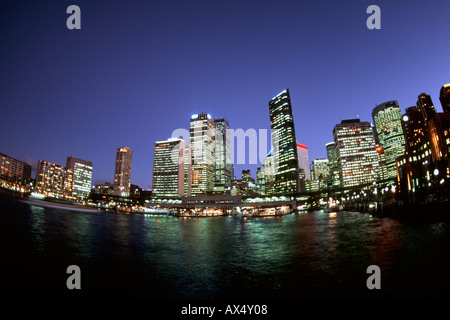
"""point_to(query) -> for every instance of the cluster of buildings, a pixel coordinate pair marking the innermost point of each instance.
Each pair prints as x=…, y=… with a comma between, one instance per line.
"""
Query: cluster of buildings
x=72, y=182
x=204, y=166
x=406, y=153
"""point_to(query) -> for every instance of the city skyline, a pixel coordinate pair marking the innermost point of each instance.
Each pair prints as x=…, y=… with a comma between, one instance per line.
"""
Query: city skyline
x=83, y=83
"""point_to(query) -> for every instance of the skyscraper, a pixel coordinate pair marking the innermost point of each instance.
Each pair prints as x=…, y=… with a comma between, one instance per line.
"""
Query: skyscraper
x=425, y=105
x=187, y=171
x=223, y=167
x=82, y=176
x=444, y=97
x=122, y=172
x=334, y=180
x=202, y=154
x=168, y=168
x=387, y=119
x=284, y=144
x=320, y=169
x=303, y=160
x=356, y=152
x=320, y=172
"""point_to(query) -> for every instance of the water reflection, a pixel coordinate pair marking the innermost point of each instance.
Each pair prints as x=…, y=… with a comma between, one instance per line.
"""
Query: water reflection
x=311, y=254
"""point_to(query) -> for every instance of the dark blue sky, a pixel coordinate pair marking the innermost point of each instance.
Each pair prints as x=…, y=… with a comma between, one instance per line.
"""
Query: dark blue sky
x=137, y=70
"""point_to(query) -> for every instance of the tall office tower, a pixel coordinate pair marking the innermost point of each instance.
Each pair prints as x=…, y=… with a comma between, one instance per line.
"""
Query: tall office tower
x=387, y=119
x=269, y=173
x=202, y=151
x=356, y=152
x=414, y=169
x=53, y=180
x=303, y=160
x=444, y=97
x=334, y=179
x=187, y=171
x=320, y=172
x=168, y=168
x=260, y=180
x=122, y=172
x=82, y=176
x=425, y=105
x=320, y=169
x=223, y=167
x=13, y=172
x=284, y=145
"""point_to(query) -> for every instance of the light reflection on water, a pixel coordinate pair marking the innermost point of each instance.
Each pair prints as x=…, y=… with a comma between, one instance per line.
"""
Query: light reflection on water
x=304, y=254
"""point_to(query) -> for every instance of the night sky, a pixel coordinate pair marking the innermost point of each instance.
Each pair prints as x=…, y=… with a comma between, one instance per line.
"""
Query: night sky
x=137, y=70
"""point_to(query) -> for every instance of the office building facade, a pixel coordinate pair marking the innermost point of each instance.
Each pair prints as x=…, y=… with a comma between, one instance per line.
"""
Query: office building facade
x=389, y=135
x=202, y=154
x=334, y=180
x=303, y=160
x=82, y=176
x=223, y=167
x=356, y=153
x=284, y=144
x=168, y=168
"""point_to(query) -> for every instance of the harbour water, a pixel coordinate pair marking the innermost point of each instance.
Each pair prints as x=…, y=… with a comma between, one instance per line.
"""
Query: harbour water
x=297, y=256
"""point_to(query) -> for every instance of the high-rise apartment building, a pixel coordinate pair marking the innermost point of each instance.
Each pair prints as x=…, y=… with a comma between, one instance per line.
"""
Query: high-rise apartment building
x=122, y=172
x=53, y=180
x=168, y=168
x=284, y=144
x=14, y=173
x=202, y=154
x=82, y=176
x=223, y=167
x=389, y=134
x=356, y=153
x=444, y=97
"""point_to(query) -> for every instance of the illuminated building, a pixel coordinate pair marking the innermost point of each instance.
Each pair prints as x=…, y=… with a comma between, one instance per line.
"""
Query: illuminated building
x=356, y=153
x=260, y=180
x=303, y=160
x=389, y=134
x=239, y=187
x=168, y=168
x=187, y=171
x=82, y=176
x=269, y=173
x=122, y=172
x=424, y=170
x=14, y=174
x=414, y=167
x=320, y=172
x=202, y=154
x=284, y=142
x=223, y=167
x=444, y=97
x=247, y=176
x=53, y=180
x=425, y=105
x=334, y=180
